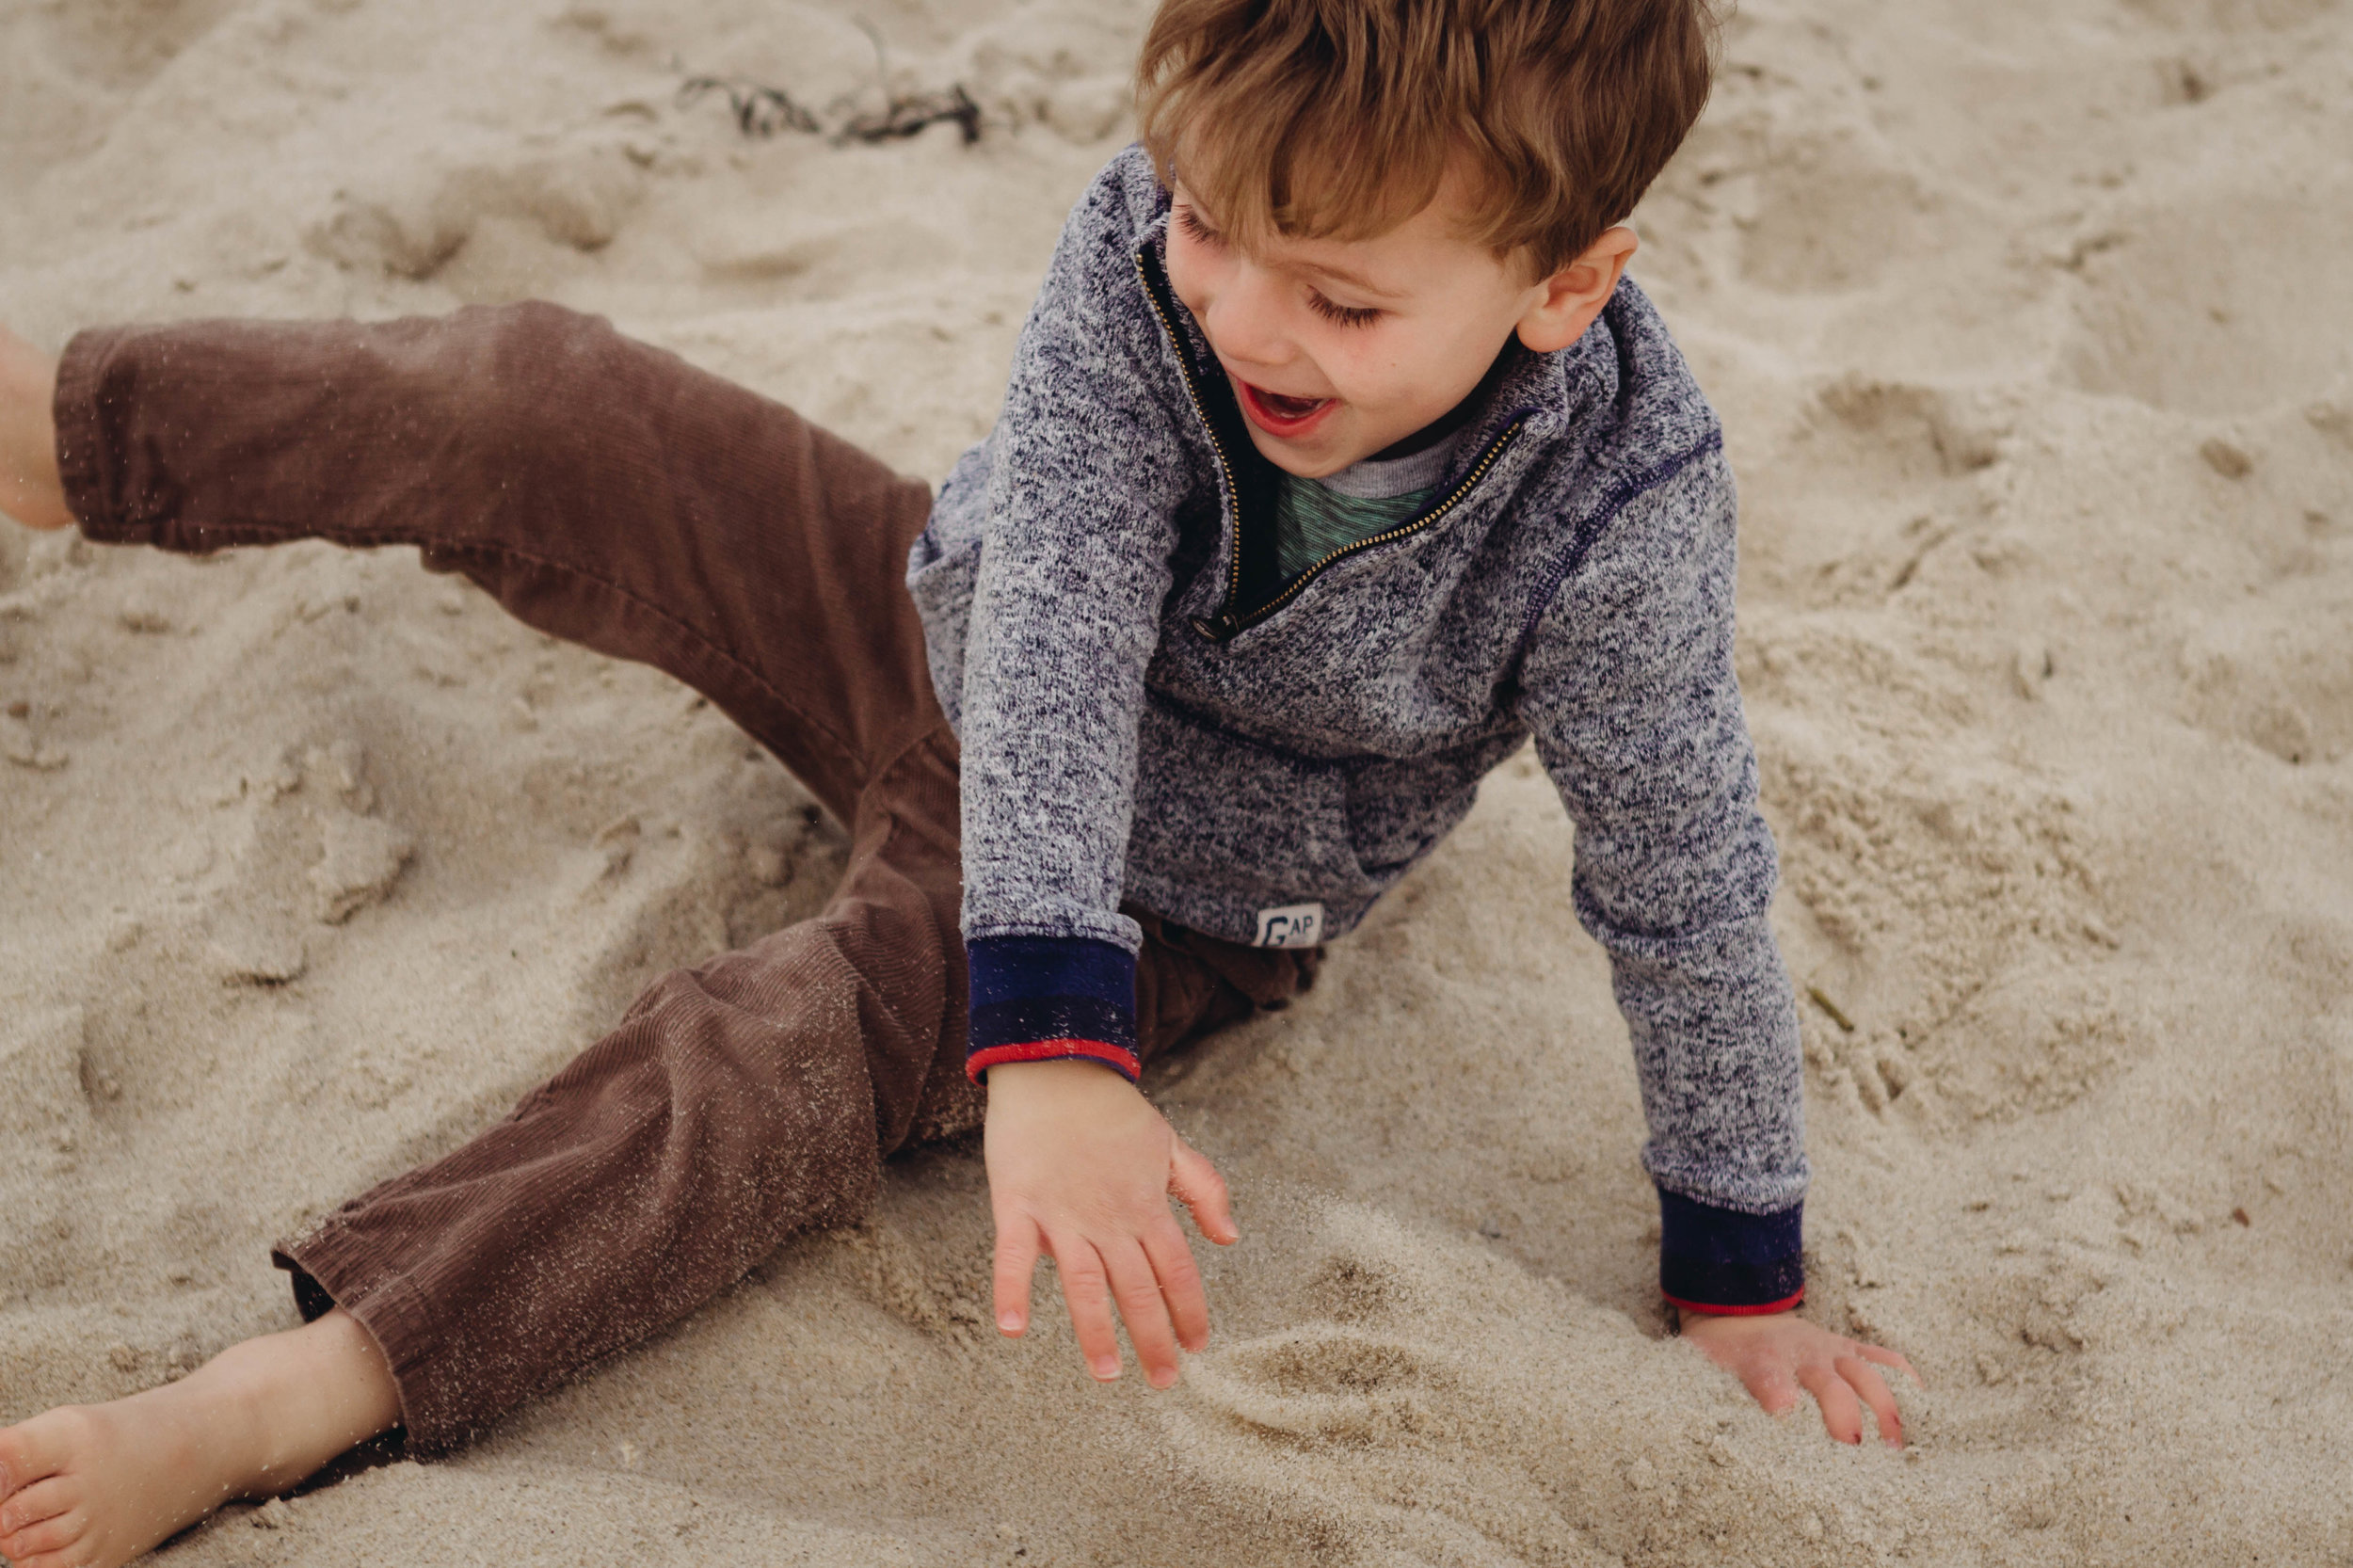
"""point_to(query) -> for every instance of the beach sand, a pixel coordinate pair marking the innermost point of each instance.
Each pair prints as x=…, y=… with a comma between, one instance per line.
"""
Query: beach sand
x=2029, y=323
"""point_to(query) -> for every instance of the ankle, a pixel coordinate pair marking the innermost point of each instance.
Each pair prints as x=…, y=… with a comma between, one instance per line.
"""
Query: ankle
x=31, y=490
x=289, y=1402
x=225, y=1406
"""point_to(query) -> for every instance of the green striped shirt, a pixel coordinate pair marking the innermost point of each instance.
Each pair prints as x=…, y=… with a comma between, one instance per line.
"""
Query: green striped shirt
x=1315, y=517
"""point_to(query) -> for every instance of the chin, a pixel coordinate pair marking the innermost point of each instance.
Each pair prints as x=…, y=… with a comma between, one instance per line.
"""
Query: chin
x=1308, y=459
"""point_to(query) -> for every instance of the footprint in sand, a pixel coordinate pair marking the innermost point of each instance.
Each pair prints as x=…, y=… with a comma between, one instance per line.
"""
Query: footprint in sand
x=2276, y=672
x=2274, y=329
x=1835, y=210
x=412, y=223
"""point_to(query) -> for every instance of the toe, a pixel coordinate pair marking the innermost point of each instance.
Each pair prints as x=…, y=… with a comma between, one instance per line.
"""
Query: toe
x=52, y=1535
x=76, y=1556
x=31, y=1451
x=44, y=1499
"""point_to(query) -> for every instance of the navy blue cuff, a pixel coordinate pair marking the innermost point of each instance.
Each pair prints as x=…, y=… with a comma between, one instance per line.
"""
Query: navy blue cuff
x=1715, y=1259
x=1050, y=998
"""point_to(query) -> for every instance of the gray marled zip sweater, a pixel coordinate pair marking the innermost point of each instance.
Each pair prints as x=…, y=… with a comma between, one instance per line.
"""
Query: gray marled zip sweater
x=1147, y=714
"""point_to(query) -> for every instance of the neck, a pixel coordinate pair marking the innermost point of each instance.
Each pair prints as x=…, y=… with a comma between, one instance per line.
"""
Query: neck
x=1453, y=419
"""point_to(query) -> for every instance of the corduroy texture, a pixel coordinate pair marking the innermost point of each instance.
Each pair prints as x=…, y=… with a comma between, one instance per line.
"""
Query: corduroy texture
x=607, y=492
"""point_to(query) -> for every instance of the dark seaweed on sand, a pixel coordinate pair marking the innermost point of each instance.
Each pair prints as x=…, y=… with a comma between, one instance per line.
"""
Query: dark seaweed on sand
x=905, y=116
x=759, y=111
x=762, y=111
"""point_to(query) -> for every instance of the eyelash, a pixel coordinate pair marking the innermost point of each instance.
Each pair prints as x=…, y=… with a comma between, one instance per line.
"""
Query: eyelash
x=1340, y=316
x=1198, y=230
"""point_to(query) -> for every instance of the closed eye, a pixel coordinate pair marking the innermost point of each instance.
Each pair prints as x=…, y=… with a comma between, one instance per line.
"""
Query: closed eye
x=1195, y=227
x=1341, y=315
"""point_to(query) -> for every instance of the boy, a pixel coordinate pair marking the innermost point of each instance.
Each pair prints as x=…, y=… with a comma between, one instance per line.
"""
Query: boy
x=1339, y=459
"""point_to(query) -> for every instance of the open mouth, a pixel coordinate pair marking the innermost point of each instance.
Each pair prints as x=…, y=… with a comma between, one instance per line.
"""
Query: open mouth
x=1279, y=414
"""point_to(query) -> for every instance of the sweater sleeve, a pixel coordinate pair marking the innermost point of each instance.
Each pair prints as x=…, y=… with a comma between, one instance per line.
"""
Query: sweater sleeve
x=1088, y=473
x=1628, y=681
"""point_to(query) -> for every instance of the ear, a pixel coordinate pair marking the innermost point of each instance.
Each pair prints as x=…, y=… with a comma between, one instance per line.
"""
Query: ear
x=1567, y=302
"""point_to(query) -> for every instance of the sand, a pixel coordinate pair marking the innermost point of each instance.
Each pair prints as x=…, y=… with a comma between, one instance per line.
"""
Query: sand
x=2029, y=323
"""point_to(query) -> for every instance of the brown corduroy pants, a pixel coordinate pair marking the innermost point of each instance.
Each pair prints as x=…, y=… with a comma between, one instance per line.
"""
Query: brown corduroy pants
x=609, y=493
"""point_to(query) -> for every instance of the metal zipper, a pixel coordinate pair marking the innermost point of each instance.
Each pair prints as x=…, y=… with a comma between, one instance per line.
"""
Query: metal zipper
x=1224, y=468
x=1226, y=625
x=1291, y=589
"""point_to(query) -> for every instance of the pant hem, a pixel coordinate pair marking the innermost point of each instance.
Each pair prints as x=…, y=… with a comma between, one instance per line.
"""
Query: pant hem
x=75, y=409
x=330, y=1268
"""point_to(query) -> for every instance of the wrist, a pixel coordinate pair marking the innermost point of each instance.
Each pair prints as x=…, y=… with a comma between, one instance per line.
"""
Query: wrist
x=1057, y=1079
x=1693, y=1318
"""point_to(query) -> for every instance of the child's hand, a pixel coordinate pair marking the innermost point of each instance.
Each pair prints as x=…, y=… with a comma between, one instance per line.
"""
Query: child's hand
x=1081, y=1167
x=1776, y=1353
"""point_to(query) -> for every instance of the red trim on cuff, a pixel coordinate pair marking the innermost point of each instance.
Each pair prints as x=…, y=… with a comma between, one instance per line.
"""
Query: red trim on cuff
x=1118, y=1058
x=1757, y=1311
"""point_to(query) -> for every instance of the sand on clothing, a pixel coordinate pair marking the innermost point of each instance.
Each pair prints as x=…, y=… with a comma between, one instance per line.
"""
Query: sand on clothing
x=2029, y=323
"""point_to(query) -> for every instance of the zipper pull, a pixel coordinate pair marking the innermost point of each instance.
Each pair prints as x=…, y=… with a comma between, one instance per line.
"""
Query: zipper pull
x=1216, y=631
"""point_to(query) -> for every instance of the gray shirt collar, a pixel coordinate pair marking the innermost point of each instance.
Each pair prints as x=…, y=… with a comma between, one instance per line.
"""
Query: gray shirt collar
x=1370, y=480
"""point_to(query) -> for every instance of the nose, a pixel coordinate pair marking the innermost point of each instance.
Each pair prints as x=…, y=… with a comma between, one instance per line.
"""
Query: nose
x=1244, y=321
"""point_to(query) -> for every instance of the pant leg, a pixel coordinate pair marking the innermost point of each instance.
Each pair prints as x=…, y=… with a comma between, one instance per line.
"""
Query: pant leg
x=735, y=1105
x=608, y=493
x=1190, y=984
x=603, y=490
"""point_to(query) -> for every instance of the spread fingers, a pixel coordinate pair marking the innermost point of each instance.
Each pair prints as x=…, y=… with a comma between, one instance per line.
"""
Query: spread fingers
x=1017, y=1246
x=1875, y=1392
x=1136, y=1287
x=1086, y=1292
x=1880, y=1357
x=1842, y=1414
x=1180, y=1282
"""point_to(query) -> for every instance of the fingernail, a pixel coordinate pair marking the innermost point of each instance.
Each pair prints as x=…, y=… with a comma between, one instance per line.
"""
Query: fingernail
x=1165, y=1378
x=1107, y=1368
x=1010, y=1323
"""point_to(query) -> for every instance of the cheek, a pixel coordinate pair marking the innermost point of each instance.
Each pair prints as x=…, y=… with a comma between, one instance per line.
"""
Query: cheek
x=1191, y=274
x=1374, y=370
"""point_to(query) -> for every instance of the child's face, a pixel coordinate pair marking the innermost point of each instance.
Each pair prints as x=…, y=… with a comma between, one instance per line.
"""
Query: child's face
x=1340, y=348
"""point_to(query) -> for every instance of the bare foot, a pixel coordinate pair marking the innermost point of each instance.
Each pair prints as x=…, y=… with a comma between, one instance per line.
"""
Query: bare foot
x=30, y=490
x=93, y=1486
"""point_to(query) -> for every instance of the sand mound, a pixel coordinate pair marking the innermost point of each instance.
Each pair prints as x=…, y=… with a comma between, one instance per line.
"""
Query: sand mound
x=2029, y=324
